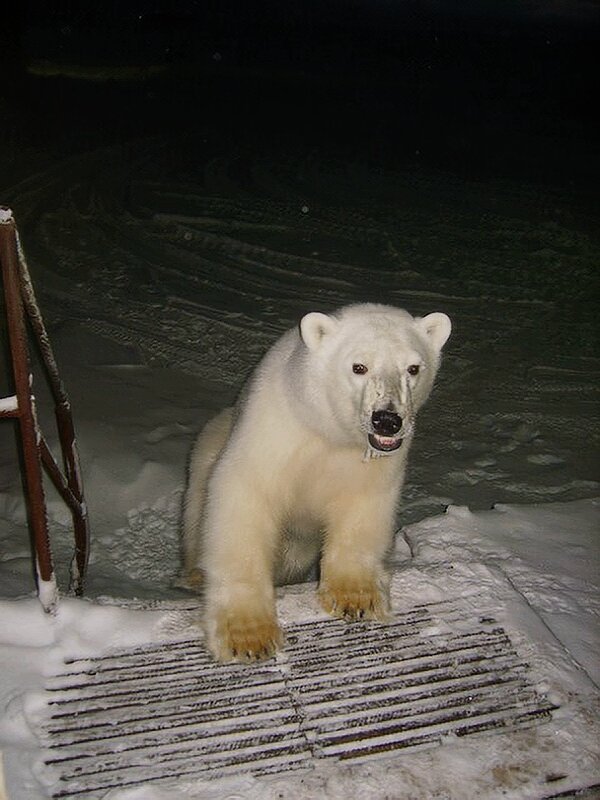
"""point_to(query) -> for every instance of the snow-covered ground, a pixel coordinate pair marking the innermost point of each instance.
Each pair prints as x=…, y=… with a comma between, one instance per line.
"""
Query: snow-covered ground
x=166, y=266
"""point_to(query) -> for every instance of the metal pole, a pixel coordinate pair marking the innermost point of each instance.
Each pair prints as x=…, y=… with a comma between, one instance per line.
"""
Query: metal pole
x=64, y=423
x=26, y=410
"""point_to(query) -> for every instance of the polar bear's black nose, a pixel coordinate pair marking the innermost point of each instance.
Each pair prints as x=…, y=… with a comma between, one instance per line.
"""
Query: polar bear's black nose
x=387, y=423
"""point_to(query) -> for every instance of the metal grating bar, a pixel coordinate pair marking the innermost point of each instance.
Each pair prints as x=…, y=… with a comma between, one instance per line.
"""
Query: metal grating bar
x=419, y=689
x=340, y=691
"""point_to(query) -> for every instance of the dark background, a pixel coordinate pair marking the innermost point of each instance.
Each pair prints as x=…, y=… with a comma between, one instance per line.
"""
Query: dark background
x=481, y=87
x=190, y=178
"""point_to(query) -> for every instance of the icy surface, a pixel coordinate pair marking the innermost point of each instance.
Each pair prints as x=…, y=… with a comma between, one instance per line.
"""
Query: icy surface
x=514, y=764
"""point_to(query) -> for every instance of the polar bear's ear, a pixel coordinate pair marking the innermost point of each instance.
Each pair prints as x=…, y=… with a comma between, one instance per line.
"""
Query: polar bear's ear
x=436, y=327
x=314, y=326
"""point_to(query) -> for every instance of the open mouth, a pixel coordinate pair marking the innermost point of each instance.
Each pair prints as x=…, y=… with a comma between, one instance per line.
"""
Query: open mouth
x=384, y=443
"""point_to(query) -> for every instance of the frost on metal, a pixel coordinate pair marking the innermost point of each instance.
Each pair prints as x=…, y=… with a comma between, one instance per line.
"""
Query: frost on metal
x=8, y=404
x=48, y=593
x=6, y=215
x=340, y=694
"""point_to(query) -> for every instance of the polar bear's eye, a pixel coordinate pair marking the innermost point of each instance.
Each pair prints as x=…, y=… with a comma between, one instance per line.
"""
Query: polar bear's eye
x=413, y=369
x=359, y=369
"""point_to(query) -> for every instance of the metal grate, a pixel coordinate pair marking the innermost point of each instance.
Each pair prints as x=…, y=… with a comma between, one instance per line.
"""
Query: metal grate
x=339, y=691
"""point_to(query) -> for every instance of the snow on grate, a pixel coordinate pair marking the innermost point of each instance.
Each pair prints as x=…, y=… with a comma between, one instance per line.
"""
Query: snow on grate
x=339, y=691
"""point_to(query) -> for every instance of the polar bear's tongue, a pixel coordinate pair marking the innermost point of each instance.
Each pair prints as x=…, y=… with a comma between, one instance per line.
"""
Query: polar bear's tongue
x=385, y=443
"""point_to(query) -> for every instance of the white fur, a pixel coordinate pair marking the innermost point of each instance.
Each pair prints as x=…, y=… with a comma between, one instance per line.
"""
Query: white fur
x=290, y=474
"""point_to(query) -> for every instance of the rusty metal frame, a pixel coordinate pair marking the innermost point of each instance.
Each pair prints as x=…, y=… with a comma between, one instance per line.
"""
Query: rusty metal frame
x=21, y=307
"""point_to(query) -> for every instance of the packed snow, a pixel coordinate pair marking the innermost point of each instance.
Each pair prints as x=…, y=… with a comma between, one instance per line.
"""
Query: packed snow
x=165, y=268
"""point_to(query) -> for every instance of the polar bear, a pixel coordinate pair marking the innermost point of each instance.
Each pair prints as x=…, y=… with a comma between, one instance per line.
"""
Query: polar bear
x=309, y=464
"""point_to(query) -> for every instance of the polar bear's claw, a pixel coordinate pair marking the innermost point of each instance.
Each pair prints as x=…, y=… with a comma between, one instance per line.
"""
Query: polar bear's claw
x=353, y=601
x=246, y=639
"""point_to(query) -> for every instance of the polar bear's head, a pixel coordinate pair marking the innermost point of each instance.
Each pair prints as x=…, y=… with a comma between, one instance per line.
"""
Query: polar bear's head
x=366, y=371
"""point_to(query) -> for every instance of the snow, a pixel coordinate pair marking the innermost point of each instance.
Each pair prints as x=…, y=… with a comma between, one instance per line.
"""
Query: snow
x=8, y=404
x=34, y=644
x=166, y=268
x=548, y=552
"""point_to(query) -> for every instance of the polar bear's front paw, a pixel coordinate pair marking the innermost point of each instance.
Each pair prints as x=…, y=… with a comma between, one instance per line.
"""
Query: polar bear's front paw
x=353, y=599
x=236, y=635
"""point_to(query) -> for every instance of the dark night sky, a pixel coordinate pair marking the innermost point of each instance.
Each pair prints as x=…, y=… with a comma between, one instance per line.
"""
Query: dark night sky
x=492, y=80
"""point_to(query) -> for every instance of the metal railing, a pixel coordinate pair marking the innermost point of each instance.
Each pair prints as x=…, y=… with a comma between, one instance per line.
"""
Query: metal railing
x=21, y=308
